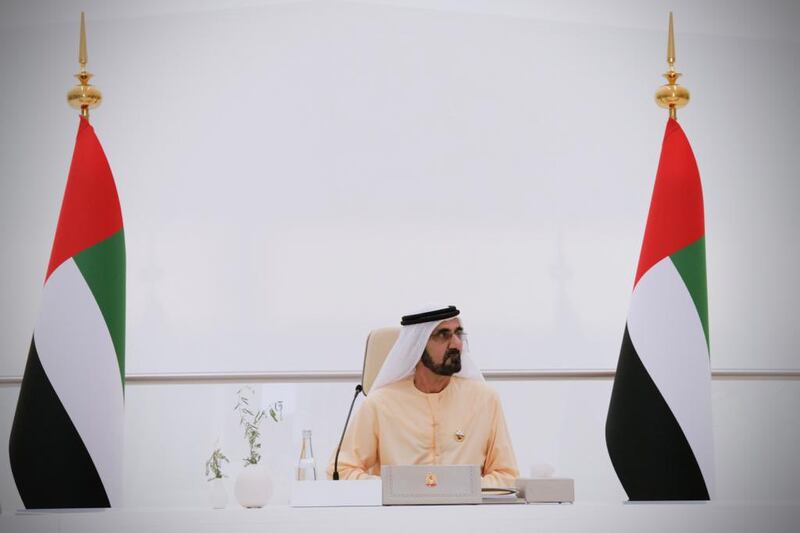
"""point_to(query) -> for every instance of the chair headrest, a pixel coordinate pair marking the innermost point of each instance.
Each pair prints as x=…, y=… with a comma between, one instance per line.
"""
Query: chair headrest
x=379, y=343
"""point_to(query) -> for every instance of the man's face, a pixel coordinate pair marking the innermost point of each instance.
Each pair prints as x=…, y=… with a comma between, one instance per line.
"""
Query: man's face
x=442, y=354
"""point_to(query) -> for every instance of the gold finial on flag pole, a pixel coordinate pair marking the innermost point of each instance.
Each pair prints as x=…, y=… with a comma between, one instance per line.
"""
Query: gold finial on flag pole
x=672, y=96
x=84, y=96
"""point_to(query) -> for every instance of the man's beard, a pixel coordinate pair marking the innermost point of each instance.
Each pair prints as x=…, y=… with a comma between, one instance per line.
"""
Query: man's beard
x=451, y=363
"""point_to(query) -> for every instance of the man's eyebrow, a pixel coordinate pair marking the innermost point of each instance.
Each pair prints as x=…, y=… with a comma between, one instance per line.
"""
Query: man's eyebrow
x=459, y=328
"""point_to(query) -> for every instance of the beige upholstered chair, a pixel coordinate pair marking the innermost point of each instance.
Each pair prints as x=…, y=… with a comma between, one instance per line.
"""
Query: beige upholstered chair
x=379, y=342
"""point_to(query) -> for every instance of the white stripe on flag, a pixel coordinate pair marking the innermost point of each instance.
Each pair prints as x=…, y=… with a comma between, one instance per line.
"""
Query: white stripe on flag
x=78, y=356
x=667, y=334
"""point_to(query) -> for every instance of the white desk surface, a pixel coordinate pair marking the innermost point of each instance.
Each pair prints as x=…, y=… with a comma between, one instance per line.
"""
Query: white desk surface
x=723, y=517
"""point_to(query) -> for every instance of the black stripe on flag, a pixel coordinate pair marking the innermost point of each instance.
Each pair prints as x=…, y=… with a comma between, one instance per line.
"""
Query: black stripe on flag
x=50, y=463
x=647, y=446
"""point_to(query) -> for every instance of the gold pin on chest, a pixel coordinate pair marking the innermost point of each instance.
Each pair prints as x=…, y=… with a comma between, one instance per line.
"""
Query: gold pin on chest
x=459, y=436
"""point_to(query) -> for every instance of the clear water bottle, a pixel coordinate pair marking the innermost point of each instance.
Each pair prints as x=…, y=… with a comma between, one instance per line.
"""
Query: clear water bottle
x=307, y=467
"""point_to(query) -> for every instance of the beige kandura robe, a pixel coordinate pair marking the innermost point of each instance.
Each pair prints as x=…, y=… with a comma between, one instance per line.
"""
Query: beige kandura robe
x=401, y=425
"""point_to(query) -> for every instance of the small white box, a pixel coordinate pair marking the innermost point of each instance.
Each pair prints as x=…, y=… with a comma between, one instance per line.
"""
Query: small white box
x=341, y=493
x=546, y=490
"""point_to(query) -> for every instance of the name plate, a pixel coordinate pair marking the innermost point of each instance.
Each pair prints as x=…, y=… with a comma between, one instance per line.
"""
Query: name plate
x=431, y=484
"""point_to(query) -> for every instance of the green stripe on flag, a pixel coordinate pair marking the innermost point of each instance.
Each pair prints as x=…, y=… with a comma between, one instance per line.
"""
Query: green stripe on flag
x=691, y=264
x=103, y=268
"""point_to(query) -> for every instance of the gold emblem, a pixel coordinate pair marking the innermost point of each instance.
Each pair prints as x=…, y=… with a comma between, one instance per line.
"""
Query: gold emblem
x=459, y=436
x=430, y=480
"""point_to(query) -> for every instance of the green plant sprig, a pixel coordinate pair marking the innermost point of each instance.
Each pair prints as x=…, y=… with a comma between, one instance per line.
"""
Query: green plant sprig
x=251, y=419
x=214, y=465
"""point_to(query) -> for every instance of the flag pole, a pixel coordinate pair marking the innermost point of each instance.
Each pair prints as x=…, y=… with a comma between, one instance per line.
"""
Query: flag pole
x=672, y=96
x=84, y=96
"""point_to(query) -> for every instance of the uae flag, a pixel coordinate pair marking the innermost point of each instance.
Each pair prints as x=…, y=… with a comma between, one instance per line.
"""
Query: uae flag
x=658, y=429
x=66, y=438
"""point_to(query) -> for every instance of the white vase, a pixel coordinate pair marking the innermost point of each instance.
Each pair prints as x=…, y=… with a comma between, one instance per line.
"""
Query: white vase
x=253, y=486
x=217, y=494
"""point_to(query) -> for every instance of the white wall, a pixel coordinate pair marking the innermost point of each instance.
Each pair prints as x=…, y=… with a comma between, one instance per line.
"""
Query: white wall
x=294, y=173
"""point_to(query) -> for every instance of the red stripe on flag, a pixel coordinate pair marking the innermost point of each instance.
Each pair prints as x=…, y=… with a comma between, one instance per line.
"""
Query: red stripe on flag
x=90, y=211
x=676, y=209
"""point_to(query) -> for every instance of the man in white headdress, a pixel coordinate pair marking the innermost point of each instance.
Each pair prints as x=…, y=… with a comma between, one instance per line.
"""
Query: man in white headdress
x=430, y=405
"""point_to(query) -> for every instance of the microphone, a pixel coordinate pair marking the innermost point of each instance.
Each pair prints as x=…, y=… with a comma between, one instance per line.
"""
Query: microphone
x=359, y=389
